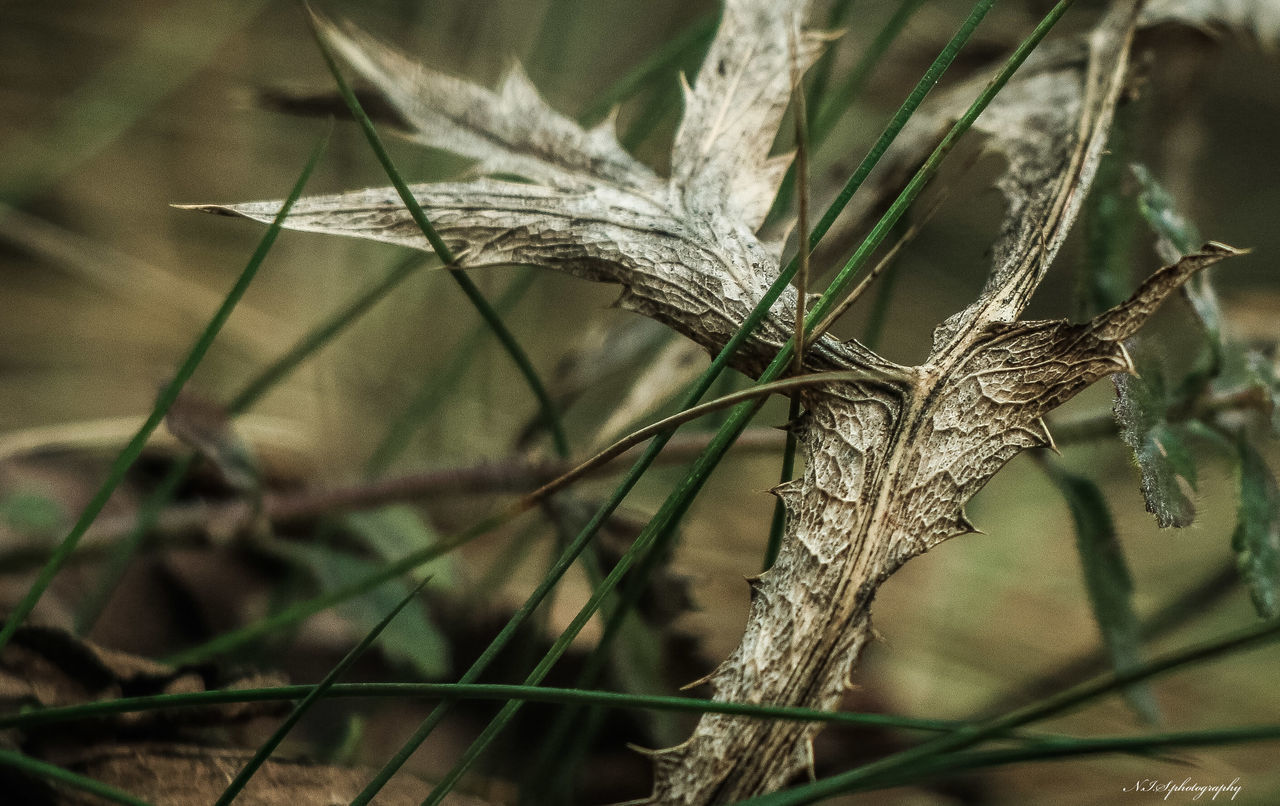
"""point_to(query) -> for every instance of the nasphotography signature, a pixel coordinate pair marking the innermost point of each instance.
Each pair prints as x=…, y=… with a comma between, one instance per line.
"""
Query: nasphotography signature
x=1187, y=788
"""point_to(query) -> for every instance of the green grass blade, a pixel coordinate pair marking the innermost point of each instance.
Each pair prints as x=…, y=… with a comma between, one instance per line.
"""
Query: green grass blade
x=827, y=108
x=820, y=73
x=459, y=691
x=268, y=747
x=1107, y=582
x=323, y=334
x=469, y=289
x=168, y=395
x=907, y=760
x=15, y=760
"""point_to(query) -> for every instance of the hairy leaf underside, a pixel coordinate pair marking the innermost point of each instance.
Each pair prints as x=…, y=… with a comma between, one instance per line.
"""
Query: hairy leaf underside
x=889, y=464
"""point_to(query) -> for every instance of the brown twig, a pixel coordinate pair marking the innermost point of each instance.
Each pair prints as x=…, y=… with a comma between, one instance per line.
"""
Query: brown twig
x=512, y=474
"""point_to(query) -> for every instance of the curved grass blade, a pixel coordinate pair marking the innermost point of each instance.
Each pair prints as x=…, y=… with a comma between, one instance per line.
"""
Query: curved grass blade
x=15, y=760
x=168, y=395
x=469, y=289
x=319, y=690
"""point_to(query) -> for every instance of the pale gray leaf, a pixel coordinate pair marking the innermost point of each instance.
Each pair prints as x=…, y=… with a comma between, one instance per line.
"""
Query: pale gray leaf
x=511, y=130
x=720, y=161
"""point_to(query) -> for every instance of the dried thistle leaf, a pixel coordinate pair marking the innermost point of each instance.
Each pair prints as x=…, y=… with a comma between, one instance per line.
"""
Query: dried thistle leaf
x=890, y=461
x=509, y=131
x=720, y=159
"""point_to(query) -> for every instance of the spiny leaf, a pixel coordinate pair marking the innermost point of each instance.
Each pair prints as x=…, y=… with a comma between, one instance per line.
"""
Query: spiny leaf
x=511, y=130
x=720, y=159
x=1107, y=580
x=1257, y=537
x=1167, y=465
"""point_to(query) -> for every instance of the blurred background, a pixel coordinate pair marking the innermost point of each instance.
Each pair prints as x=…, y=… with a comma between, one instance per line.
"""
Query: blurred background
x=110, y=113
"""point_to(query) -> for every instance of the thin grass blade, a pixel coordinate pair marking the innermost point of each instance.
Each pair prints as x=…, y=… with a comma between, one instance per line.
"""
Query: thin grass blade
x=168, y=395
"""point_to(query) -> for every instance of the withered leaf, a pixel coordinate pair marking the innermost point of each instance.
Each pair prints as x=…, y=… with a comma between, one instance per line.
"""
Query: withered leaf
x=50, y=668
x=187, y=775
x=890, y=461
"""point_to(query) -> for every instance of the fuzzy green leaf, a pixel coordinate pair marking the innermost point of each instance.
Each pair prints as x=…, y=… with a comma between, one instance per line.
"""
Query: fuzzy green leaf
x=1159, y=448
x=1107, y=580
x=1175, y=237
x=1257, y=537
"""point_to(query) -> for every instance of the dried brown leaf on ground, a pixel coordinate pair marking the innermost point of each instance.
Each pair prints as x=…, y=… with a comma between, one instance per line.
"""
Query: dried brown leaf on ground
x=890, y=461
x=162, y=757
x=185, y=775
